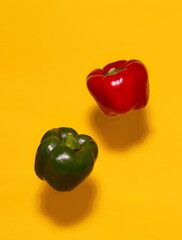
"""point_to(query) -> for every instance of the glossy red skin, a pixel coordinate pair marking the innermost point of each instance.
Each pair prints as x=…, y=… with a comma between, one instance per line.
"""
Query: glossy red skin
x=119, y=93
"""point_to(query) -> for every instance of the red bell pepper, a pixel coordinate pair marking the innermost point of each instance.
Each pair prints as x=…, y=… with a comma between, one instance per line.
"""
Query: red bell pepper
x=119, y=87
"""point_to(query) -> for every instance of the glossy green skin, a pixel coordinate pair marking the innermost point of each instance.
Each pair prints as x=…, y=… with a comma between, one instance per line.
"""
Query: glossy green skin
x=64, y=158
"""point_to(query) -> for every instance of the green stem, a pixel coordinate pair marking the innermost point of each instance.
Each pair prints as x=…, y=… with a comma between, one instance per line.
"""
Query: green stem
x=71, y=142
x=112, y=71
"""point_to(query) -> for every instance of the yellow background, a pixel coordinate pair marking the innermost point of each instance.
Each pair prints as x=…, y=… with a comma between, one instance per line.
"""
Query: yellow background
x=47, y=48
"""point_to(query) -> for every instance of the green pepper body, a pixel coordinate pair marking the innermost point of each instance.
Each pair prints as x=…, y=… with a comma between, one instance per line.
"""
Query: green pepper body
x=64, y=158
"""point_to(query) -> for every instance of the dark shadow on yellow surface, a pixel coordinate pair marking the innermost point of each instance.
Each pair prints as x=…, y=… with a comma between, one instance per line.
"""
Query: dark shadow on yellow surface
x=121, y=132
x=67, y=208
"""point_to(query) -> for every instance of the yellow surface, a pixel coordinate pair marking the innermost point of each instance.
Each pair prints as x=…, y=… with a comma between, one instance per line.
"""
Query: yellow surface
x=47, y=48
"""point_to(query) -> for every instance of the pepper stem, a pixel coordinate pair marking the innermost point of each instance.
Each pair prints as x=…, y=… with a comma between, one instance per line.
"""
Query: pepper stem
x=71, y=142
x=113, y=71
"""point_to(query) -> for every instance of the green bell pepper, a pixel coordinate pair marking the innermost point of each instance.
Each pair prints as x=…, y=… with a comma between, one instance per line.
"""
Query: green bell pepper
x=64, y=158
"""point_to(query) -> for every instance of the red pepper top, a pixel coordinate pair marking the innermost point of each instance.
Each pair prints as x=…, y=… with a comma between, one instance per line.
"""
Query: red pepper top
x=119, y=87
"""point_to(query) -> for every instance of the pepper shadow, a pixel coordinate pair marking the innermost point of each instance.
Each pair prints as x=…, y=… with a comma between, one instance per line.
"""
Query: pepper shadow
x=68, y=208
x=121, y=132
